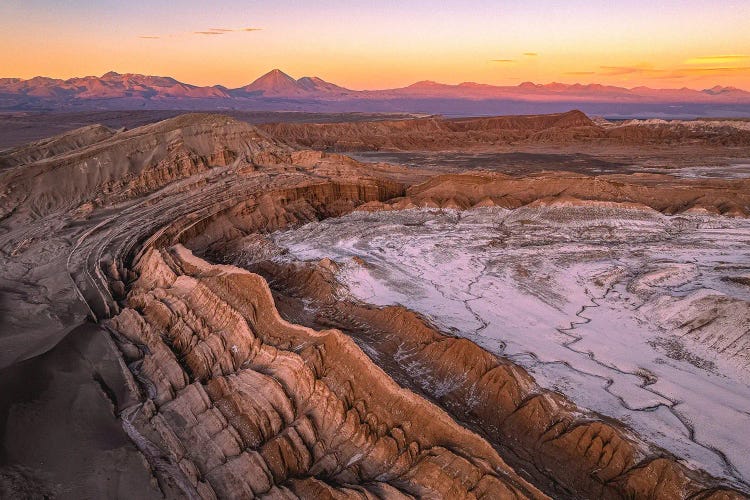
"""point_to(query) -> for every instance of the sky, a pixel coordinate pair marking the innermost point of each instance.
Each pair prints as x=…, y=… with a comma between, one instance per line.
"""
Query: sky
x=384, y=44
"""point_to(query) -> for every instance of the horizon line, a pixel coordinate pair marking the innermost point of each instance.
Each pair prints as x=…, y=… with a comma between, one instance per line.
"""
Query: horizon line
x=621, y=86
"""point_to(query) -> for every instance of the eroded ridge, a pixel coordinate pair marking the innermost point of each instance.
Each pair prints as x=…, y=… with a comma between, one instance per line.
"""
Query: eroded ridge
x=658, y=192
x=437, y=133
x=568, y=451
x=250, y=405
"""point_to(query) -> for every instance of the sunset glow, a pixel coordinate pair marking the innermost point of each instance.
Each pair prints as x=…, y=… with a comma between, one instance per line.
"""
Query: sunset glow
x=363, y=45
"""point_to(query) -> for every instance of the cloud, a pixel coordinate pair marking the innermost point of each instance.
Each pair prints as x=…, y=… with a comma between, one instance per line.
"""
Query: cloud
x=221, y=31
x=647, y=71
x=502, y=60
x=206, y=32
x=531, y=54
x=641, y=69
x=721, y=59
x=730, y=69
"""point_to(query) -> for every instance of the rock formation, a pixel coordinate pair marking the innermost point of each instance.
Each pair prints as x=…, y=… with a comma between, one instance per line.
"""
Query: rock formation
x=437, y=133
x=659, y=192
x=249, y=405
x=224, y=398
x=539, y=432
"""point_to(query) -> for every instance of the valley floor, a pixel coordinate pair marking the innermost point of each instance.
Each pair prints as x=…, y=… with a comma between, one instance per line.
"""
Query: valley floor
x=633, y=314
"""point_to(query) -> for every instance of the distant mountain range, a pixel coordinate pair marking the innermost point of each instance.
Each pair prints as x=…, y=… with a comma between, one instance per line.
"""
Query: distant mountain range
x=277, y=91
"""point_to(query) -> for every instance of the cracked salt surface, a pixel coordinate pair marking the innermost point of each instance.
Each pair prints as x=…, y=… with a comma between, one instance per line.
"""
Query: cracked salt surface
x=627, y=312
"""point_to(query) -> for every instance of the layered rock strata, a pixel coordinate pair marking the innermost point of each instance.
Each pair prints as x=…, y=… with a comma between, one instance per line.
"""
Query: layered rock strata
x=221, y=396
x=568, y=451
x=436, y=133
x=659, y=192
x=249, y=405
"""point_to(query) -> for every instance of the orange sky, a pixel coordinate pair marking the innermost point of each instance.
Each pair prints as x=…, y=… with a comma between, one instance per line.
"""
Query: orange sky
x=362, y=44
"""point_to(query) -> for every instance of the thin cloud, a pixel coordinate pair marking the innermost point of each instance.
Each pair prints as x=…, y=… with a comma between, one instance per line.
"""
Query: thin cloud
x=651, y=73
x=206, y=32
x=731, y=69
x=502, y=60
x=688, y=72
x=221, y=31
x=531, y=54
x=720, y=59
x=643, y=71
x=629, y=70
x=675, y=75
x=648, y=72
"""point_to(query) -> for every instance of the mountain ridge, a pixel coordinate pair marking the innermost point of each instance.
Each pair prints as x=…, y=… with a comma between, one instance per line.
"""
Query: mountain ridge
x=278, y=90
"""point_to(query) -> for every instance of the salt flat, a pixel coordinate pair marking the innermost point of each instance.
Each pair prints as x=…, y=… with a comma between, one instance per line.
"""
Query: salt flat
x=637, y=315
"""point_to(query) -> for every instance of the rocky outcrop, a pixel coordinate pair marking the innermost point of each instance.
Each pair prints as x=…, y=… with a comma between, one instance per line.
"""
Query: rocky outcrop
x=661, y=193
x=100, y=168
x=568, y=451
x=60, y=234
x=726, y=134
x=436, y=133
x=55, y=146
x=249, y=405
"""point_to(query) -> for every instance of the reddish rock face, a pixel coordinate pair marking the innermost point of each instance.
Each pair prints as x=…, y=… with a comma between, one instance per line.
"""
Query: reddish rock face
x=269, y=401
